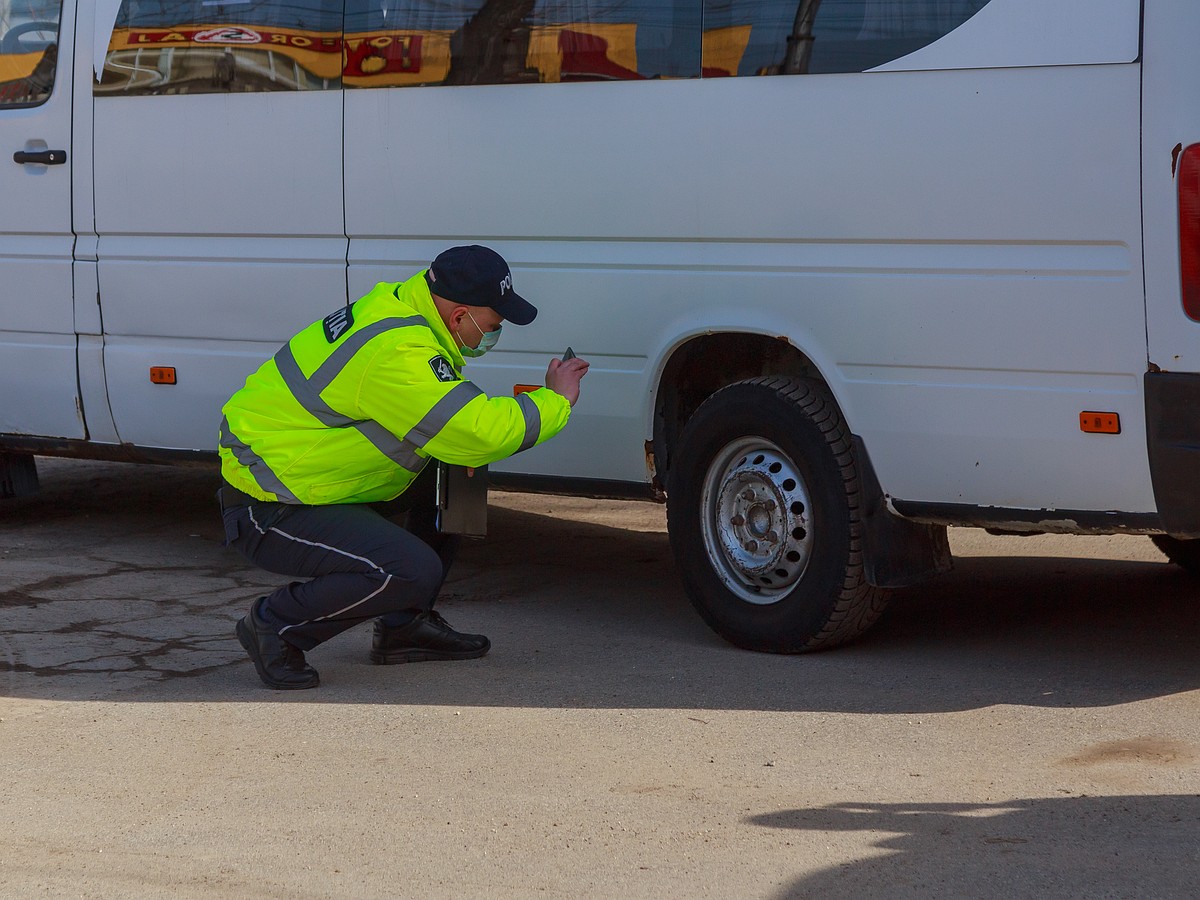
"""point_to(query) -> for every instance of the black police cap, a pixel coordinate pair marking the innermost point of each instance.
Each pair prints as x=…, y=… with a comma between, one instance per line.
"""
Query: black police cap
x=479, y=276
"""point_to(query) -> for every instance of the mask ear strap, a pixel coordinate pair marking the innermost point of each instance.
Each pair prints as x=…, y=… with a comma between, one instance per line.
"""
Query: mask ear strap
x=476, y=324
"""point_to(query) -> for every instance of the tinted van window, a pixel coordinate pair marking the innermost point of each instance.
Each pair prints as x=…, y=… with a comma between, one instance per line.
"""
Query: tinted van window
x=203, y=47
x=798, y=37
x=28, y=50
x=401, y=42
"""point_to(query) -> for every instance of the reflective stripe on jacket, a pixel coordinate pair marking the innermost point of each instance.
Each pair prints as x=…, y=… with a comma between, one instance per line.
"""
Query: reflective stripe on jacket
x=352, y=407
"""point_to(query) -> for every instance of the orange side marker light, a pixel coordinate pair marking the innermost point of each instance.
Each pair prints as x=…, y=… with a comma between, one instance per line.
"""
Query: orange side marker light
x=162, y=374
x=524, y=388
x=1100, y=423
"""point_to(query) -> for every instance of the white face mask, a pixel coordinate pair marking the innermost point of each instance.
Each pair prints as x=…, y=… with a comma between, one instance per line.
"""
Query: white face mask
x=486, y=343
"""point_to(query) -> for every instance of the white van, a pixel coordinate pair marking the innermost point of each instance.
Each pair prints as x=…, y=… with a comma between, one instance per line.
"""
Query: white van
x=847, y=271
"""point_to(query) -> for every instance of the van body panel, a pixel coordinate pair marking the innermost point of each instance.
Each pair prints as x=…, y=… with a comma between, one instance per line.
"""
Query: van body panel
x=972, y=244
x=1000, y=36
x=165, y=413
x=37, y=331
x=1171, y=122
x=962, y=322
x=219, y=219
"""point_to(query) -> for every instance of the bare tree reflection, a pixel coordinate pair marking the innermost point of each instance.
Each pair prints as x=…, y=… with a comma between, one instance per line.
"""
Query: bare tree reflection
x=800, y=41
x=491, y=43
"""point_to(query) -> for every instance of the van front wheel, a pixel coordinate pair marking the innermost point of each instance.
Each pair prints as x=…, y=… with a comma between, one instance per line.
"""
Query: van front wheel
x=764, y=513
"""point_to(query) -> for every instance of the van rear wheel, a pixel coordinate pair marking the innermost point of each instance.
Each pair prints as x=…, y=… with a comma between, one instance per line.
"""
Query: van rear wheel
x=1184, y=552
x=764, y=513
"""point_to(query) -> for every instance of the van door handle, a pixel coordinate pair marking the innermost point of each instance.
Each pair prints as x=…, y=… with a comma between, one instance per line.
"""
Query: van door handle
x=45, y=157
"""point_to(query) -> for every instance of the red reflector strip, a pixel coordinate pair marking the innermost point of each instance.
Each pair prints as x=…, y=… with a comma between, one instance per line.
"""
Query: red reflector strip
x=162, y=374
x=1189, y=229
x=1100, y=422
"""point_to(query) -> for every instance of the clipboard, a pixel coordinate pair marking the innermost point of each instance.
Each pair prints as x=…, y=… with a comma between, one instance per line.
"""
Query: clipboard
x=462, y=500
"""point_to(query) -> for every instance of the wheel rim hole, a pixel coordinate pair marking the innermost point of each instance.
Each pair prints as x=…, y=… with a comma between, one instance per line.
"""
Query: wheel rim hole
x=758, y=459
x=765, y=580
x=797, y=508
x=782, y=573
x=789, y=484
x=793, y=556
x=799, y=534
x=775, y=468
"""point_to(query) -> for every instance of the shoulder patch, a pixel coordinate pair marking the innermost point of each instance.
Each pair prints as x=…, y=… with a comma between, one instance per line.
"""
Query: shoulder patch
x=442, y=370
x=338, y=323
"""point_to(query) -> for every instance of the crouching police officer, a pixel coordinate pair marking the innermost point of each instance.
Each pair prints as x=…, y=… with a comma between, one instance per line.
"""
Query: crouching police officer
x=346, y=415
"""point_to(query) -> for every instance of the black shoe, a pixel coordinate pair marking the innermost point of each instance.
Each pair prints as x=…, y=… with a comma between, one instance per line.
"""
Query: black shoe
x=426, y=637
x=280, y=665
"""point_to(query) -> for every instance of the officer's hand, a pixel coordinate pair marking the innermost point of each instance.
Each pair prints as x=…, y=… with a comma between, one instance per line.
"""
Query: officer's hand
x=563, y=377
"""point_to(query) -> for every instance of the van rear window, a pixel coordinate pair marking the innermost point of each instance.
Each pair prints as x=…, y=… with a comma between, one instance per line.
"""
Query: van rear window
x=786, y=37
x=205, y=46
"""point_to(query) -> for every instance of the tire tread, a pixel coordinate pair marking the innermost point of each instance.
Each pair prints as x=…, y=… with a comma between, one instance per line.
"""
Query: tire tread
x=859, y=603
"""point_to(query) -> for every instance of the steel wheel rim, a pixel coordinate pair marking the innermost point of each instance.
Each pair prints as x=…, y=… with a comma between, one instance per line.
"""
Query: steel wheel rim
x=756, y=520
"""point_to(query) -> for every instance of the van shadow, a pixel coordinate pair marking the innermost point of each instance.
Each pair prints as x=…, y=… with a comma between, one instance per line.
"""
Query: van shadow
x=1081, y=846
x=115, y=585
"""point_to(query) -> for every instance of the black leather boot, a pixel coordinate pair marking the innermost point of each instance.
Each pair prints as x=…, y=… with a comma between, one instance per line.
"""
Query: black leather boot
x=426, y=637
x=280, y=665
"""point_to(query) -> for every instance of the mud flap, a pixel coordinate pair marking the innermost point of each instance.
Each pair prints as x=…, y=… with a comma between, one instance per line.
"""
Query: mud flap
x=898, y=552
x=18, y=475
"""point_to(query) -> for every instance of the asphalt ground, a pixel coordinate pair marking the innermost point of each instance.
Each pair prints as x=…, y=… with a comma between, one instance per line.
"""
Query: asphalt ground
x=1024, y=726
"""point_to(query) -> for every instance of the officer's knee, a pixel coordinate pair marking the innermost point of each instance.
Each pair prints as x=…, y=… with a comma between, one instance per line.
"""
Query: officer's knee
x=415, y=582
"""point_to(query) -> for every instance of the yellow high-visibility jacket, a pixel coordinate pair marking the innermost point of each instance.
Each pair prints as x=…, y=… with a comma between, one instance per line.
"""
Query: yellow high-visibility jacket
x=352, y=407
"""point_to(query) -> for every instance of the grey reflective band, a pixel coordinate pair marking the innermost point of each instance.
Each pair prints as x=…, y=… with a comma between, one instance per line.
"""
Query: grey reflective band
x=259, y=470
x=452, y=403
x=305, y=392
x=340, y=358
x=401, y=451
x=533, y=421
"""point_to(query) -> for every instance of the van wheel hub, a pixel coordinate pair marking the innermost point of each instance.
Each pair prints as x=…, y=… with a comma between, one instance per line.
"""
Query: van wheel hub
x=756, y=520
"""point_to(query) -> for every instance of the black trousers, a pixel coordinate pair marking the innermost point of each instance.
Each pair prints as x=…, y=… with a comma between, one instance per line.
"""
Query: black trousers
x=361, y=562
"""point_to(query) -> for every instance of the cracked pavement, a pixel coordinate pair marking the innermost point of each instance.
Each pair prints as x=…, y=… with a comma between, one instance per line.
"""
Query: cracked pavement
x=96, y=578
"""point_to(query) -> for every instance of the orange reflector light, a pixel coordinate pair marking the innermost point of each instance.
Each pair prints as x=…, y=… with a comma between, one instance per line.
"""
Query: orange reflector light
x=1100, y=422
x=524, y=388
x=162, y=374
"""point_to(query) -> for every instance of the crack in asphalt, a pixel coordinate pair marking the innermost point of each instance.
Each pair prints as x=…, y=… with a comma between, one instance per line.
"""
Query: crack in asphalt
x=142, y=644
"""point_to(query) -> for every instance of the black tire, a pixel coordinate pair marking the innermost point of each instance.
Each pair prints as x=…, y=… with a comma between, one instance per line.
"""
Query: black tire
x=774, y=453
x=1184, y=552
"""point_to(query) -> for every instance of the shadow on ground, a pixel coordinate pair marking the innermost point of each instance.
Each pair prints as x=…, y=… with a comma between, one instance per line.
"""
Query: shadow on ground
x=1070, y=847
x=115, y=584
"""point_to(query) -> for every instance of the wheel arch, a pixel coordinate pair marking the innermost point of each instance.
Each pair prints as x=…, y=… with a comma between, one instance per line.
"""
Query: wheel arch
x=700, y=365
x=897, y=551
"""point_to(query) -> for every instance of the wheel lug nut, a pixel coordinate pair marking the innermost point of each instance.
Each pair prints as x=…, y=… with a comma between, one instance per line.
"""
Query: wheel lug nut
x=769, y=504
x=751, y=546
x=748, y=496
x=771, y=537
x=738, y=520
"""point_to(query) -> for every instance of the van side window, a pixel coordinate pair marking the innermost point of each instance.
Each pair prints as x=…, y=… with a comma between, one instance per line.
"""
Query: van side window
x=800, y=37
x=206, y=47
x=28, y=51
x=402, y=42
